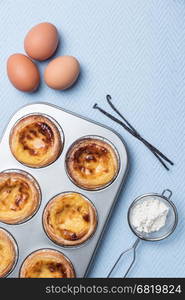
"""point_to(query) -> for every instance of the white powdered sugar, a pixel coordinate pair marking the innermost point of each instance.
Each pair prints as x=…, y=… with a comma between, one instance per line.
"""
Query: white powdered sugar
x=149, y=215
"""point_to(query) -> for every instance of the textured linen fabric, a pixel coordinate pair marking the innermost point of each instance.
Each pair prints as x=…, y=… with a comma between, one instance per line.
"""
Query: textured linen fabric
x=135, y=51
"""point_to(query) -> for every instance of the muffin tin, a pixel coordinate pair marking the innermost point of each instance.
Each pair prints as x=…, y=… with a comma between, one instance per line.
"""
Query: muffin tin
x=53, y=179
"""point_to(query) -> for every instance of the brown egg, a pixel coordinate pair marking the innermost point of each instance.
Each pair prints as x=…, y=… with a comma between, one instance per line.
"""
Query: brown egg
x=62, y=72
x=41, y=41
x=23, y=73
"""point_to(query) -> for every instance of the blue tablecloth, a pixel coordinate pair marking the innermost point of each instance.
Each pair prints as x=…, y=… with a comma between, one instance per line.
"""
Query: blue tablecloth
x=135, y=51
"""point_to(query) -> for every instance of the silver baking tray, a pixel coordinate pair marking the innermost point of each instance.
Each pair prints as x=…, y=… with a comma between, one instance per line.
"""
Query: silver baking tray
x=53, y=180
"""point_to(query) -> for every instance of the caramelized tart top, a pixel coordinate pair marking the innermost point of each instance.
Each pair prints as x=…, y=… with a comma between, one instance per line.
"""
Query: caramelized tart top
x=92, y=163
x=35, y=141
x=69, y=219
x=19, y=197
x=47, y=263
x=7, y=253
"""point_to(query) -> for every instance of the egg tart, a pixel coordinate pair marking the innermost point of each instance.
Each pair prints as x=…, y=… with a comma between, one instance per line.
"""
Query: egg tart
x=69, y=219
x=35, y=141
x=8, y=253
x=92, y=163
x=19, y=196
x=47, y=263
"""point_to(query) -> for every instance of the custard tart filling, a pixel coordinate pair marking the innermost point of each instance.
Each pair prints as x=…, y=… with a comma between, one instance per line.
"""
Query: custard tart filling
x=69, y=219
x=8, y=253
x=19, y=196
x=47, y=263
x=35, y=141
x=92, y=163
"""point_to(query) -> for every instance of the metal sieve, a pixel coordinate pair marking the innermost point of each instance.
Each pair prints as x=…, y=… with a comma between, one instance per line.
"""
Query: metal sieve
x=164, y=232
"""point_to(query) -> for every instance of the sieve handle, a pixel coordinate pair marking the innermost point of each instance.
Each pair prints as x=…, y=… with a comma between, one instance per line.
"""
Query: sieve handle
x=133, y=248
x=167, y=193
